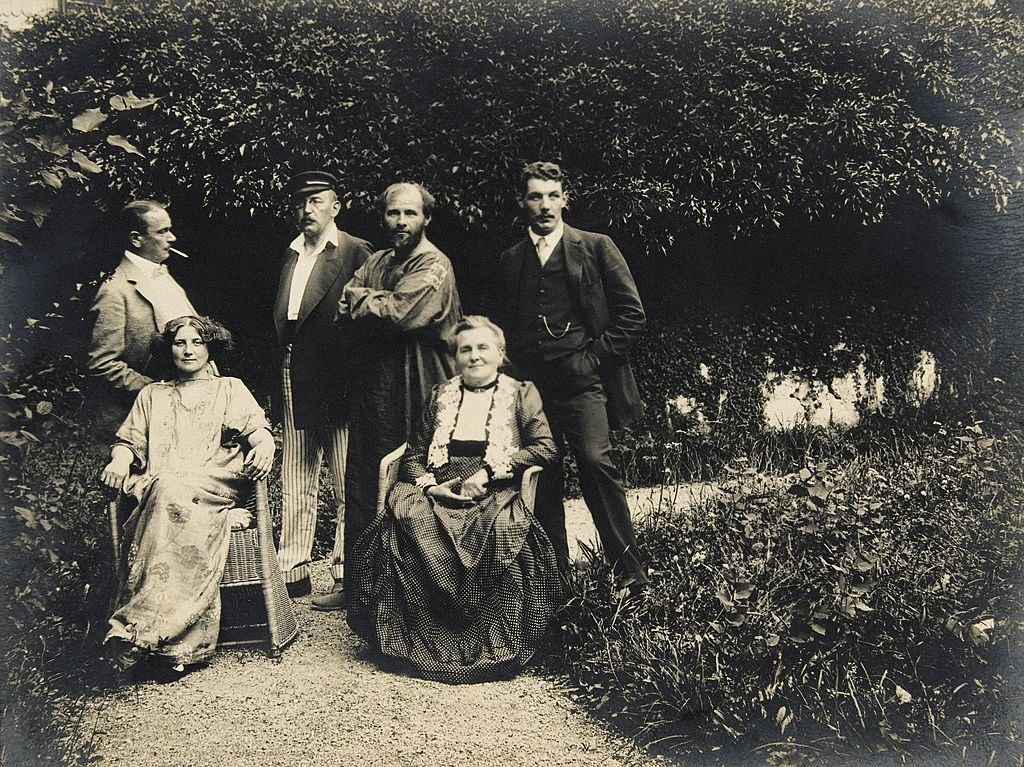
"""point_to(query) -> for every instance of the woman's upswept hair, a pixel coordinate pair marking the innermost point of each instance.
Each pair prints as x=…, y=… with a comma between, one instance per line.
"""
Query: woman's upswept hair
x=217, y=337
x=470, y=322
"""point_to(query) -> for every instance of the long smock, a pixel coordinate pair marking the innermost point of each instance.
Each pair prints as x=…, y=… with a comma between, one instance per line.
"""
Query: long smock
x=404, y=310
x=191, y=460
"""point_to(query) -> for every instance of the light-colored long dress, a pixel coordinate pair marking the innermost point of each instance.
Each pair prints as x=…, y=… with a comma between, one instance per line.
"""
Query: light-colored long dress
x=190, y=455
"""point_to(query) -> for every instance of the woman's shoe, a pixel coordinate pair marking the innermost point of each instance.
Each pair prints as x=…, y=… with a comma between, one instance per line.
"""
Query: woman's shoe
x=165, y=673
x=126, y=659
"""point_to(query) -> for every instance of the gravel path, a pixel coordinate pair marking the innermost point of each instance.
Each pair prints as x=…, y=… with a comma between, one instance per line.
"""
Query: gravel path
x=326, y=702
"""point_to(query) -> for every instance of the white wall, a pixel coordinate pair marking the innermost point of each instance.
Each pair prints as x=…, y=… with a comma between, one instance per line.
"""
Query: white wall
x=16, y=14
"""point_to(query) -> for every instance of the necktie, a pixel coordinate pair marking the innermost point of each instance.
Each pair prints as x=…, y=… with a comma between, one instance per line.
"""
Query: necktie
x=542, y=251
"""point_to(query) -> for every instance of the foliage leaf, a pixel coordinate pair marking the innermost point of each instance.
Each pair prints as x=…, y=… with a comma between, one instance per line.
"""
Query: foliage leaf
x=85, y=163
x=131, y=101
x=89, y=120
x=123, y=143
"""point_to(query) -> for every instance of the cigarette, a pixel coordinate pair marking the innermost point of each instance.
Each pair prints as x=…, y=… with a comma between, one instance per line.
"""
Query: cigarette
x=177, y=252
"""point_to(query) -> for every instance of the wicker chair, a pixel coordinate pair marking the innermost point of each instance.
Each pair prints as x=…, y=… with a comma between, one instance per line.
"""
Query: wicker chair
x=255, y=608
x=388, y=476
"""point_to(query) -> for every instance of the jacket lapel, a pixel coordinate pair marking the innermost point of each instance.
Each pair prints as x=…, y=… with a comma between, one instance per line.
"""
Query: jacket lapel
x=283, y=289
x=136, y=279
x=325, y=270
x=517, y=260
x=573, y=250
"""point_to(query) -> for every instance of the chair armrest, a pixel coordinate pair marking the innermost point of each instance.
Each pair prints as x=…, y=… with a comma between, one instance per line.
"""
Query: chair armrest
x=114, y=513
x=528, y=486
x=388, y=474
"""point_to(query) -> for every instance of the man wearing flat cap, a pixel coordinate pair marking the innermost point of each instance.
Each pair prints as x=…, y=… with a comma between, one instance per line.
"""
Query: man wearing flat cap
x=315, y=371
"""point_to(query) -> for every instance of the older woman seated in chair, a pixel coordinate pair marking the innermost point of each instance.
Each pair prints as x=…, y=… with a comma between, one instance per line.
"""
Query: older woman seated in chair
x=185, y=440
x=456, y=579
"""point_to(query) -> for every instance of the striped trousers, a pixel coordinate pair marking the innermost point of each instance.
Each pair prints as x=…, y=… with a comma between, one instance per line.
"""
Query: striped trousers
x=302, y=457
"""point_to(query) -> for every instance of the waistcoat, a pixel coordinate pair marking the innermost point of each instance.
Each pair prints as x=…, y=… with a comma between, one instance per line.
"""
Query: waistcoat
x=550, y=322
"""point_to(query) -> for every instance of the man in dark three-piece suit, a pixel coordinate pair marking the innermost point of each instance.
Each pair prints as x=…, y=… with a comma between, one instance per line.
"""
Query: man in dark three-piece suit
x=571, y=312
x=315, y=372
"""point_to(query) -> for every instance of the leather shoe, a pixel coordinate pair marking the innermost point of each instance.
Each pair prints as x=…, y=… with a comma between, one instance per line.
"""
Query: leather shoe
x=332, y=600
x=165, y=673
x=300, y=588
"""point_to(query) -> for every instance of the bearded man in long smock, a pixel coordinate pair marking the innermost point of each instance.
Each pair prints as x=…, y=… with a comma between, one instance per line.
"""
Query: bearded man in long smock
x=404, y=303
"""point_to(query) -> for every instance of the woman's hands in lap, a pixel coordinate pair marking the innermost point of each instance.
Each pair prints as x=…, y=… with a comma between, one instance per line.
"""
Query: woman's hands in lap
x=444, y=493
x=475, y=486
x=473, y=489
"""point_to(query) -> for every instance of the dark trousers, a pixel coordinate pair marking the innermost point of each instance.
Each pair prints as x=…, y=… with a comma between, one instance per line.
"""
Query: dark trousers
x=575, y=406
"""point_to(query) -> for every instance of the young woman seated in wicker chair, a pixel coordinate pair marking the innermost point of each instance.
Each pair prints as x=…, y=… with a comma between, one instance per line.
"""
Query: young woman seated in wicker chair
x=185, y=440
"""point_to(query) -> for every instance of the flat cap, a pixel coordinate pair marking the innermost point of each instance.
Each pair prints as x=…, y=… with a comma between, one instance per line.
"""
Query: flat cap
x=310, y=182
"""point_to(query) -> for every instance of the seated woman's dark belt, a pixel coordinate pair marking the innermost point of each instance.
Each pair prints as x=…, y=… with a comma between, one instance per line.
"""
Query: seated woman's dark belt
x=466, y=448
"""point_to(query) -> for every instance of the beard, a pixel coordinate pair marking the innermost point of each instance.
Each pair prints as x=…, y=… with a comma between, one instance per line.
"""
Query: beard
x=409, y=242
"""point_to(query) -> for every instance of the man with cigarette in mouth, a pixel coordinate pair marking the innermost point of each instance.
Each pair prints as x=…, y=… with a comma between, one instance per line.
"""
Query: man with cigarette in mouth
x=135, y=303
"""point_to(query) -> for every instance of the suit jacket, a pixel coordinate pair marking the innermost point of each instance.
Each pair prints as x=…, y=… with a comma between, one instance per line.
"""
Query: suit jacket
x=124, y=328
x=321, y=353
x=119, y=356
x=602, y=285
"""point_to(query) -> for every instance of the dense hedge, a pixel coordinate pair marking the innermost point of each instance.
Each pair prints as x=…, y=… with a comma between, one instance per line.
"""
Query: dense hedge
x=722, y=362
x=671, y=114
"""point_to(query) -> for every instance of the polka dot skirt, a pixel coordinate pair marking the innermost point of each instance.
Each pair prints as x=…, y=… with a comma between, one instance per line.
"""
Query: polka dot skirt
x=458, y=594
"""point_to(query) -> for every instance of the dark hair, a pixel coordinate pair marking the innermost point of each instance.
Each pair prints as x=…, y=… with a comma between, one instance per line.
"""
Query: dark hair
x=428, y=198
x=133, y=216
x=471, y=322
x=217, y=337
x=545, y=171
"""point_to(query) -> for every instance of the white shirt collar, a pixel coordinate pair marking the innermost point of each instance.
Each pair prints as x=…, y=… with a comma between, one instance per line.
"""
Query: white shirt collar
x=147, y=267
x=551, y=240
x=330, y=235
